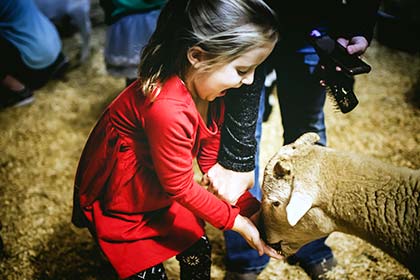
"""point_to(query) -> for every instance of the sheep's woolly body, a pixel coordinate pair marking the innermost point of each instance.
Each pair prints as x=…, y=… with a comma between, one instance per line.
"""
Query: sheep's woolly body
x=354, y=194
x=375, y=201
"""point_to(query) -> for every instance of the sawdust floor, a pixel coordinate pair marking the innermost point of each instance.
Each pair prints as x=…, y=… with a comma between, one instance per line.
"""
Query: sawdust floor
x=40, y=145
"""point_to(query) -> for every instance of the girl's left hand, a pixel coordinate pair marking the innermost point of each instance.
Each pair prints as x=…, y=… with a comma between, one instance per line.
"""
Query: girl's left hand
x=250, y=233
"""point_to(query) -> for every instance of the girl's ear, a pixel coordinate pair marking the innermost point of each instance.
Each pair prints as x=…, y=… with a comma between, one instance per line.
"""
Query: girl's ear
x=196, y=56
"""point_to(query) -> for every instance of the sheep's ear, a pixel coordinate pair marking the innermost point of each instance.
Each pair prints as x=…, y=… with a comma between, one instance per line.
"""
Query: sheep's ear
x=299, y=204
x=282, y=168
x=308, y=138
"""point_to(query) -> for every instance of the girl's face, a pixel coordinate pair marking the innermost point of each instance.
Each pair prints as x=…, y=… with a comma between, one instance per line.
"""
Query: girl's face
x=215, y=82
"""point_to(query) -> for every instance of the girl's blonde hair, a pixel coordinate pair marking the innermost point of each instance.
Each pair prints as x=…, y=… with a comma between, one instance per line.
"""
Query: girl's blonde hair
x=224, y=29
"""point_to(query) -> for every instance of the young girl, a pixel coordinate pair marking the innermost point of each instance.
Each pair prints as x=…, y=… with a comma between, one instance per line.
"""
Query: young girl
x=134, y=187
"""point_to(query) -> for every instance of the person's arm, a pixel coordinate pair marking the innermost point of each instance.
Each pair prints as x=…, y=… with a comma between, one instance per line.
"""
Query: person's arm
x=356, y=19
x=238, y=143
x=355, y=35
x=171, y=138
x=234, y=172
x=249, y=232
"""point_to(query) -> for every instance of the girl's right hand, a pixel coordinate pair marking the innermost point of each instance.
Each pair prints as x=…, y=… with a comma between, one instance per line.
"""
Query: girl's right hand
x=250, y=233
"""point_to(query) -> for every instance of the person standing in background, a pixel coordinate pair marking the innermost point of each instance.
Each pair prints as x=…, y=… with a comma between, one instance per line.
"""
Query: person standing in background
x=130, y=25
x=30, y=52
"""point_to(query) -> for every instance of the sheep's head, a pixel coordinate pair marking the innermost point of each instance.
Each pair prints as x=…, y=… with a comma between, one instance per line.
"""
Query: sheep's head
x=290, y=191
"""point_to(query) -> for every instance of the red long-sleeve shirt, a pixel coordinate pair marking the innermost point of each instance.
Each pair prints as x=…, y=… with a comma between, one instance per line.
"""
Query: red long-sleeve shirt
x=135, y=185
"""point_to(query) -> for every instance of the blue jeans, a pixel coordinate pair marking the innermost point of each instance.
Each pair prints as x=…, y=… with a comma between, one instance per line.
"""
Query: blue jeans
x=240, y=257
x=301, y=100
x=301, y=97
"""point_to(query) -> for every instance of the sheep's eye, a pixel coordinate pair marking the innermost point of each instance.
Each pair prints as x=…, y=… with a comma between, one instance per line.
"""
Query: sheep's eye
x=276, y=203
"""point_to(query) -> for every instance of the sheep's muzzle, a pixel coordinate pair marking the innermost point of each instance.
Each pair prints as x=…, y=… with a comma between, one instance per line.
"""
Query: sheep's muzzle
x=277, y=247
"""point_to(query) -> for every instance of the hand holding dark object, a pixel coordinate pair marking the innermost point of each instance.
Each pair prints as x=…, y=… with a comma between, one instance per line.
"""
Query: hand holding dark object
x=342, y=53
x=357, y=45
x=340, y=62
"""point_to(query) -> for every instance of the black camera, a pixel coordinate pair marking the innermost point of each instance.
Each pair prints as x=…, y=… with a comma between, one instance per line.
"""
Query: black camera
x=340, y=83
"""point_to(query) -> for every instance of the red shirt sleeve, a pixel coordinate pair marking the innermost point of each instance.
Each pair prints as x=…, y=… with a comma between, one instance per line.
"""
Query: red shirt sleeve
x=248, y=204
x=171, y=128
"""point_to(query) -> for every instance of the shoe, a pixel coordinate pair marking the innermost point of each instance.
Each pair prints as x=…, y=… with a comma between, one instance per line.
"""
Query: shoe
x=317, y=270
x=240, y=276
x=60, y=67
x=10, y=98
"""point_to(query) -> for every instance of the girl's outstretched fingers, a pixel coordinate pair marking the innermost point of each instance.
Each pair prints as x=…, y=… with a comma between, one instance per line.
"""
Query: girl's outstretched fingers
x=205, y=180
x=271, y=252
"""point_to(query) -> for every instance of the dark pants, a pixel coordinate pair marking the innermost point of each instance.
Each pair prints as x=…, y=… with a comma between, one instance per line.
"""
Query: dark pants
x=301, y=100
x=12, y=64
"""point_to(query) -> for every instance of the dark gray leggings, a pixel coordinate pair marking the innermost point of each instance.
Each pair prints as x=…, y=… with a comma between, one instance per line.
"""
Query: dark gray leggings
x=195, y=263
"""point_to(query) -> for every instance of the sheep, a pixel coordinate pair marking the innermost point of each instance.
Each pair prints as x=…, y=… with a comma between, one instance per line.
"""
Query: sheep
x=78, y=11
x=309, y=191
